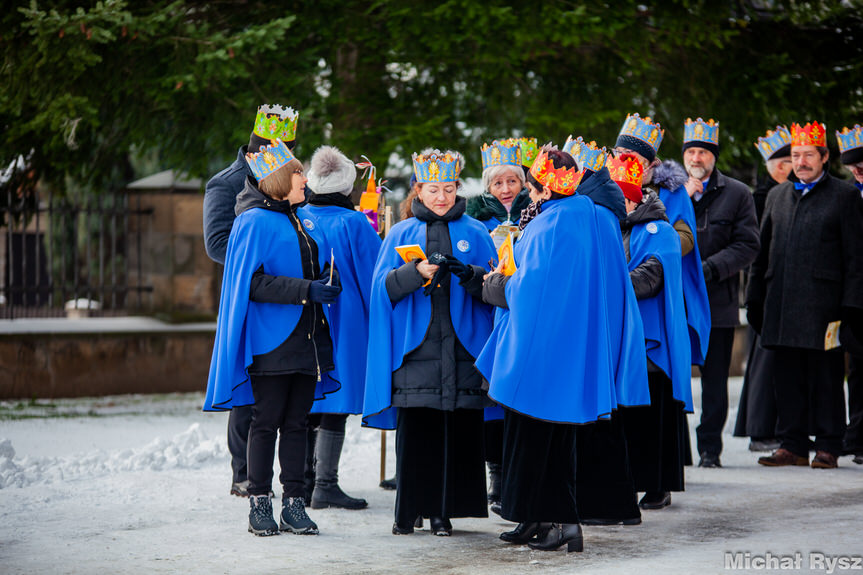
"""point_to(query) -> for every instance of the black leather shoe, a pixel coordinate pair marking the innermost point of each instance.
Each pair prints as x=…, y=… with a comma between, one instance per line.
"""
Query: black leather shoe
x=418, y=523
x=495, y=507
x=389, y=484
x=525, y=532
x=655, y=500
x=568, y=534
x=440, y=526
x=709, y=460
x=402, y=530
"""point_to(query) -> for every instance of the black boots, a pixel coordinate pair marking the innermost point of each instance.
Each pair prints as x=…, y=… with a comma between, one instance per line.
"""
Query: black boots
x=261, y=520
x=525, y=532
x=655, y=500
x=494, y=477
x=327, y=492
x=560, y=534
x=440, y=526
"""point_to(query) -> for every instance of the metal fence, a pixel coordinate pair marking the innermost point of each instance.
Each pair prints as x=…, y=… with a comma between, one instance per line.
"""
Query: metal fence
x=67, y=253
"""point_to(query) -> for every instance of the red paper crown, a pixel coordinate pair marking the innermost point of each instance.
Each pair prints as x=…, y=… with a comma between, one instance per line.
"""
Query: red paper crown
x=628, y=173
x=812, y=134
x=560, y=180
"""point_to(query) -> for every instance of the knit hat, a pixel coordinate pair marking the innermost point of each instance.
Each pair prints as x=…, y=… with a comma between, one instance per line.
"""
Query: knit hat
x=331, y=172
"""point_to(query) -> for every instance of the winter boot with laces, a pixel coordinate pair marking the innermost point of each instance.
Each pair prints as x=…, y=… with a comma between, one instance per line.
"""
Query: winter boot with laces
x=294, y=517
x=261, y=520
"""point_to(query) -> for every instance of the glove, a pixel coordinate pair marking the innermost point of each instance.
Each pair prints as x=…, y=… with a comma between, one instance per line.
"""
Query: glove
x=325, y=275
x=709, y=271
x=755, y=316
x=320, y=292
x=459, y=269
x=443, y=268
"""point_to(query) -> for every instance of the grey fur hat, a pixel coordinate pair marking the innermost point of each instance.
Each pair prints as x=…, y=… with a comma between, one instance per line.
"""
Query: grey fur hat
x=331, y=172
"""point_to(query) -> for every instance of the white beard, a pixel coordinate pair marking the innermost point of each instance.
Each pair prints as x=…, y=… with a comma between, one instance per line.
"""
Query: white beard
x=697, y=172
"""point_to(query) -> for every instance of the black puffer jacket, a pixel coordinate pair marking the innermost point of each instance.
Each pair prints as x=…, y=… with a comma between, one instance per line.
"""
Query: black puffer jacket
x=309, y=347
x=439, y=374
x=647, y=278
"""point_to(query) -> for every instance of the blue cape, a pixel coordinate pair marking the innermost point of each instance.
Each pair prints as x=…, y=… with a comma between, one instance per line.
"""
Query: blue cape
x=552, y=355
x=355, y=247
x=665, y=329
x=396, y=330
x=245, y=328
x=678, y=207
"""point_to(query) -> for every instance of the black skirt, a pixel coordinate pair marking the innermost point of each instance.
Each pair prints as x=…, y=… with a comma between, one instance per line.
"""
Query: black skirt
x=494, y=441
x=440, y=464
x=604, y=487
x=539, y=460
x=756, y=411
x=656, y=438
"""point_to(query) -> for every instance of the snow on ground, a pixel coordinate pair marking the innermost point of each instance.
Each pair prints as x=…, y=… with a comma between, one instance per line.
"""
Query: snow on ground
x=139, y=484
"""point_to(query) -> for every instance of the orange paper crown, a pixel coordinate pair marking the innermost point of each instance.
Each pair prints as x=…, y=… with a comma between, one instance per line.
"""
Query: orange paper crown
x=812, y=134
x=560, y=180
x=628, y=172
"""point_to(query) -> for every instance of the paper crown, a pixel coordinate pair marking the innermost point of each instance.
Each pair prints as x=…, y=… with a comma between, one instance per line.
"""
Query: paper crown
x=437, y=167
x=276, y=123
x=643, y=129
x=773, y=141
x=628, y=172
x=560, y=180
x=269, y=159
x=587, y=154
x=701, y=131
x=529, y=150
x=850, y=138
x=812, y=134
x=501, y=153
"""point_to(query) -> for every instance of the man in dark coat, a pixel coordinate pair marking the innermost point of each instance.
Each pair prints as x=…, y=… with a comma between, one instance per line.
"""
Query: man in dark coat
x=808, y=276
x=220, y=198
x=727, y=234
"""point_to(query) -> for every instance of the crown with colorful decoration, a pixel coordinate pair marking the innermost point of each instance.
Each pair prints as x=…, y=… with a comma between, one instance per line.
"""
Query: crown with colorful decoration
x=269, y=159
x=561, y=180
x=437, y=166
x=626, y=170
x=701, y=131
x=587, y=154
x=529, y=150
x=643, y=129
x=850, y=138
x=773, y=141
x=276, y=123
x=501, y=153
x=812, y=134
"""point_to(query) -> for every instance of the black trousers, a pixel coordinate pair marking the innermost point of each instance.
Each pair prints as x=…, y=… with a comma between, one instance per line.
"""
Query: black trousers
x=239, y=421
x=440, y=464
x=329, y=421
x=282, y=404
x=714, y=390
x=539, y=465
x=854, y=433
x=656, y=438
x=604, y=488
x=493, y=433
x=756, y=411
x=809, y=392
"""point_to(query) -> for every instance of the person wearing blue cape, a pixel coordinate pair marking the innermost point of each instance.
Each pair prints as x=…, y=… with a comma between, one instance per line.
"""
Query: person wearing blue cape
x=273, y=348
x=427, y=324
x=656, y=434
x=550, y=358
x=605, y=491
x=354, y=245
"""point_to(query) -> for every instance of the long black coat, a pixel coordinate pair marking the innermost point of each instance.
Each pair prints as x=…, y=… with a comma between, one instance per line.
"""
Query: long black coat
x=809, y=271
x=728, y=241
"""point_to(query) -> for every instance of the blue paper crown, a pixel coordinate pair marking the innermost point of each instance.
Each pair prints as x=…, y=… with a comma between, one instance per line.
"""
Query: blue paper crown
x=437, y=166
x=269, y=159
x=701, y=131
x=587, y=154
x=501, y=153
x=644, y=130
x=773, y=141
x=850, y=138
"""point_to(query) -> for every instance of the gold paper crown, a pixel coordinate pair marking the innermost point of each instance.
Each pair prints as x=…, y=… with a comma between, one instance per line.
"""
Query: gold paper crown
x=701, y=131
x=501, y=153
x=625, y=169
x=812, y=134
x=528, y=151
x=437, y=166
x=850, y=138
x=560, y=180
x=276, y=123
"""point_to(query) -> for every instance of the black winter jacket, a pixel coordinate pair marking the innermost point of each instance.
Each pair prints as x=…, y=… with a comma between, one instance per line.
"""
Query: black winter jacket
x=648, y=277
x=220, y=196
x=439, y=374
x=809, y=271
x=309, y=348
x=728, y=241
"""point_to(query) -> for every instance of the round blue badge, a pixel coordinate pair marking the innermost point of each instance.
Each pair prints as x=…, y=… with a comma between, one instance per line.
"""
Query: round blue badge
x=463, y=246
x=310, y=225
x=651, y=228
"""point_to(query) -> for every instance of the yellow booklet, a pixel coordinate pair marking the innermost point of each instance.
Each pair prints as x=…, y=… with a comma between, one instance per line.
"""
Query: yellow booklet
x=831, y=336
x=410, y=252
x=505, y=256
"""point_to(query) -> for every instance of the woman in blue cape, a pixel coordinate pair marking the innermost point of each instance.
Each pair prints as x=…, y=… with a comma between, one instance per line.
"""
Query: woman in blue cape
x=426, y=326
x=273, y=348
x=656, y=435
x=549, y=360
x=354, y=245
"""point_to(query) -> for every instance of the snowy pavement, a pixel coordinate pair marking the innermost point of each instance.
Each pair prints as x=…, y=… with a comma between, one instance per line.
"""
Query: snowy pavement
x=139, y=484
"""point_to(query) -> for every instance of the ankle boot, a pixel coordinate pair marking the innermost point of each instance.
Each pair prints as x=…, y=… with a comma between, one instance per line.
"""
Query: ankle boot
x=261, y=520
x=494, y=470
x=327, y=492
x=561, y=533
x=525, y=532
x=309, y=469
